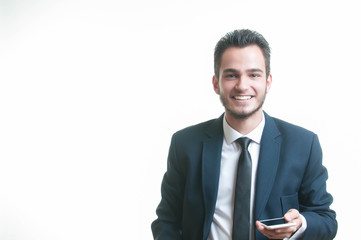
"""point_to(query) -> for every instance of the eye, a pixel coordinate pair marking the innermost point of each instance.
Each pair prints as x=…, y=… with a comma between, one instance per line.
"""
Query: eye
x=231, y=75
x=255, y=75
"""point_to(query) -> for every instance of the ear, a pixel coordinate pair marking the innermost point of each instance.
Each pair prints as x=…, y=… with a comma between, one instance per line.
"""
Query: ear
x=268, y=83
x=215, y=84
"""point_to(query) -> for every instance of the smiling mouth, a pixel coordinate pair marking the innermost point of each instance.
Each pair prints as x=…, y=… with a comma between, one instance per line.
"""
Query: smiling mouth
x=242, y=97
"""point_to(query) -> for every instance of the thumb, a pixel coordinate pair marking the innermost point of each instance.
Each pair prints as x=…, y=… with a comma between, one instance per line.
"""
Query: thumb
x=291, y=215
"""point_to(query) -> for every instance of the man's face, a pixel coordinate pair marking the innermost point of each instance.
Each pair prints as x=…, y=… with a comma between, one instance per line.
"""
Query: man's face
x=242, y=82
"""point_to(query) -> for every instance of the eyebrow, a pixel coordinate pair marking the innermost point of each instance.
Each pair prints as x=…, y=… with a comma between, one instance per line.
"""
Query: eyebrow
x=232, y=70
x=255, y=70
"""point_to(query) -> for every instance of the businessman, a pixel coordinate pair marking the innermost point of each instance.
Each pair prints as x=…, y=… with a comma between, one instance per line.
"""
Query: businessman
x=225, y=175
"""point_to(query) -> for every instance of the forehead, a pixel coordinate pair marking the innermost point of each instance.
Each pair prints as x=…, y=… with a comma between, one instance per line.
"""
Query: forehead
x=246, y=57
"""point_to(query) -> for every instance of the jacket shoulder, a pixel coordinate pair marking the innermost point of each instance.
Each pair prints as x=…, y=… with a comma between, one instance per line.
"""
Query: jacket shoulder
x=200, y=130
x=291, y=129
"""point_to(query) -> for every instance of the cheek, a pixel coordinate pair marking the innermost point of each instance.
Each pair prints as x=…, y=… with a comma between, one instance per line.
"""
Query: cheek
x=226, y=87
x=261, y=88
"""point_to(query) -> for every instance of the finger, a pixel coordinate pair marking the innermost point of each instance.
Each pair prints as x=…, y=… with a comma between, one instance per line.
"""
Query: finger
x=288, y=230
x=274, y=234
x=291, y=215
x=259, y=226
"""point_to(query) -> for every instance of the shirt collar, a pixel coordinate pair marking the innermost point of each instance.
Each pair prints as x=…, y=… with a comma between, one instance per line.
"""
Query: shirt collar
x=231, y=135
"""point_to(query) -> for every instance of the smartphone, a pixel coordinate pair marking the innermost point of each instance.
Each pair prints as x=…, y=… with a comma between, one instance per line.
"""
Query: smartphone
x=276, y=223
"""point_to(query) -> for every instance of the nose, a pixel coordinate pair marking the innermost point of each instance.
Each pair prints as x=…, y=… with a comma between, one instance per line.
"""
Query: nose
x=242, y=84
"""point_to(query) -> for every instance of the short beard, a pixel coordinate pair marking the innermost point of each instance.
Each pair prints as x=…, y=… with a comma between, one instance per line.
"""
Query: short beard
x=241, y=115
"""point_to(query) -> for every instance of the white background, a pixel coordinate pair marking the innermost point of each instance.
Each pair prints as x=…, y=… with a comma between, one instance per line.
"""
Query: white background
x=91, y=92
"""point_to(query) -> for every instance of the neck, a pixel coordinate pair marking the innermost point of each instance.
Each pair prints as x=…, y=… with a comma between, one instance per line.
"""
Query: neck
x=244, y=125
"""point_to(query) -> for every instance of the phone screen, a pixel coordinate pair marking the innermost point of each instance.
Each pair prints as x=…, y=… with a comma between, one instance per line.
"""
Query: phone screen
x=274, y=221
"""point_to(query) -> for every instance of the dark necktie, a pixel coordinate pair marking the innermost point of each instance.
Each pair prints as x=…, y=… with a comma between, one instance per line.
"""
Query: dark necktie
x=241, y=212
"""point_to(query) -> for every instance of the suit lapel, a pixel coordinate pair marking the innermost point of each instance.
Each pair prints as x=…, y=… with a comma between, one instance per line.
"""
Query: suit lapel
x=211, y=160
x=267, y=164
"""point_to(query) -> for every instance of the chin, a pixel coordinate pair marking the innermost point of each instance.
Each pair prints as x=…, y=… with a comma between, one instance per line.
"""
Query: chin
x=241, y=113
x=244, y=114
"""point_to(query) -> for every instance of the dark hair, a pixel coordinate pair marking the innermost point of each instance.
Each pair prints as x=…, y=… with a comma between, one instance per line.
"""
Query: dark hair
x=241, y=38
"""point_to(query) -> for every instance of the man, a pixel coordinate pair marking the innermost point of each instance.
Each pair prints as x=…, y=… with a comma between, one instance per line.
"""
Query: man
x=200, y=190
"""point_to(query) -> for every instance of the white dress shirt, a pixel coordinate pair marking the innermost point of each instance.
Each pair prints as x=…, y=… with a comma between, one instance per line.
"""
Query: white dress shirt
x=221, y=228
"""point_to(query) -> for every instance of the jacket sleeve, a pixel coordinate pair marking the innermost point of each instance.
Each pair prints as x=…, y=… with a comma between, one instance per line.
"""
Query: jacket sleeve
x=169, y=210
x=314, y=199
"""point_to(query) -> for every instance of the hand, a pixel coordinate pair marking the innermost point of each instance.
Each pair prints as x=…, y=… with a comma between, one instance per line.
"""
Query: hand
x=291, y=216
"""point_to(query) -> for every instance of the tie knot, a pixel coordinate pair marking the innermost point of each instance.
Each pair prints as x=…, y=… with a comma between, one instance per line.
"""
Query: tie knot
x=244, y=142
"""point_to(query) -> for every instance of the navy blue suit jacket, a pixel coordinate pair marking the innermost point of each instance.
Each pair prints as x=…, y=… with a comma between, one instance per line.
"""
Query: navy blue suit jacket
x=290, y=175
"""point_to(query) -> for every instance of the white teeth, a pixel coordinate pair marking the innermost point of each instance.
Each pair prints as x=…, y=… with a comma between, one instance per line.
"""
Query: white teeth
x=242, y=97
